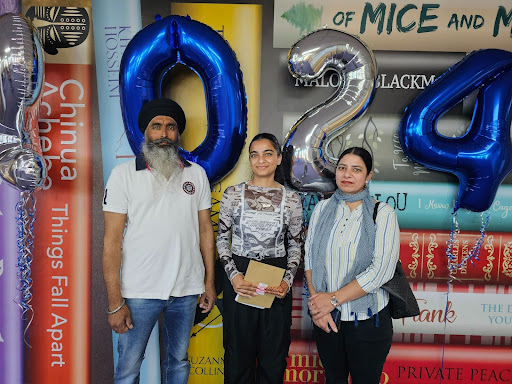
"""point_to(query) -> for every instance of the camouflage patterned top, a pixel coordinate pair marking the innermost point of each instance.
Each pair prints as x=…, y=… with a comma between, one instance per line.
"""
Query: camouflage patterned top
x=254, y=223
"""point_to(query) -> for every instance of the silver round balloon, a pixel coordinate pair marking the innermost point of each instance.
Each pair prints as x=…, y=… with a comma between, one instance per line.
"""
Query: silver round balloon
x=21, y=79
x=7, y=6
x=307, y=168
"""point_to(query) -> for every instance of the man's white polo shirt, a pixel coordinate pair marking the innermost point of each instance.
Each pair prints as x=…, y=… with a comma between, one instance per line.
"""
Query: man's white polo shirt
x=161, y=255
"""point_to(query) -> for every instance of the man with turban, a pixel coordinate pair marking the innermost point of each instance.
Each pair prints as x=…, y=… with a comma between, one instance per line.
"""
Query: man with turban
x=166, y=258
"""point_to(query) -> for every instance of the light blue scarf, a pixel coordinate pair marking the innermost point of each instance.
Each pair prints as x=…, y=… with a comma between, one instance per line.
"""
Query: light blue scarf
x=365, y=248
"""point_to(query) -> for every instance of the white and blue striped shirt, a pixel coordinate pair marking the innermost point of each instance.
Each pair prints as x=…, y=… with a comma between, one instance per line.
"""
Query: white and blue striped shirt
x=342, y=249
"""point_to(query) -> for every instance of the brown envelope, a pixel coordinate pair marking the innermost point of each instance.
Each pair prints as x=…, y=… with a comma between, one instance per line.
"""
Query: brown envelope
x=261, y=273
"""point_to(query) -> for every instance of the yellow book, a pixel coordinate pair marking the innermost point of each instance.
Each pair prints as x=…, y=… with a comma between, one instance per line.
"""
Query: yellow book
x=240, y=25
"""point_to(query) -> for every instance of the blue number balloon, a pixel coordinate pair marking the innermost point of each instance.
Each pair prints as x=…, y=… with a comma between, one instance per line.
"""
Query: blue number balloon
x=157, y=48
x=482, y=157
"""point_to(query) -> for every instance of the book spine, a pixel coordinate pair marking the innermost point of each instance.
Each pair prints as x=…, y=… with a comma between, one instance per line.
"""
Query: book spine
x=240, y=25
x=423, y=256
x=379, y=135
x=425, y=364
x=430, y=205
x=299, y=302
x=461, y=288
x=468, y=310
x=62, y=257
x=475, y=314
x=115, y=24
x=452, y=339
x=414, y=364
x=414, y=70
x=11, y=324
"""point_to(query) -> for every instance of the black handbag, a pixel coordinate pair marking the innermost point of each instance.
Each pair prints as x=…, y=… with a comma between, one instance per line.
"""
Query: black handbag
x=402, y=302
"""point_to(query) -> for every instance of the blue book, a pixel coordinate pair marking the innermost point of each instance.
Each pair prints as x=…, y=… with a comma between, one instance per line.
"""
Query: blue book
x=430, y=206
x=115, y=23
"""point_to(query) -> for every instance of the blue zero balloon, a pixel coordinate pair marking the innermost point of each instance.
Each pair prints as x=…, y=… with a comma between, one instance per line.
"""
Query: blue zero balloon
x=482, y=157
x=154, y=51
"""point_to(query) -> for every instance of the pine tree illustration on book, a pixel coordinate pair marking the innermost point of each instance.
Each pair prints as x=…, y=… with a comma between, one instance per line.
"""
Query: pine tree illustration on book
x=304, y=17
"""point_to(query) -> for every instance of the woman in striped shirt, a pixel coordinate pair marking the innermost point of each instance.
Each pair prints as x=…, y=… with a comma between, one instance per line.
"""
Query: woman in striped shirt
x=349, y=256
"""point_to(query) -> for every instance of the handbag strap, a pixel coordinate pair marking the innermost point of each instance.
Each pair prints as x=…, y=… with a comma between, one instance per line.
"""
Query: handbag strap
x=375, y=211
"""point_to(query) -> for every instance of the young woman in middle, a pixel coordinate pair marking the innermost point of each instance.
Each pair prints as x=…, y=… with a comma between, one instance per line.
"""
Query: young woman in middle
x=258, y=220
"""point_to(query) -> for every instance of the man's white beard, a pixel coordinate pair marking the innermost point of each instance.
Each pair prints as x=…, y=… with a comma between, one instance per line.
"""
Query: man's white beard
x=163, y=159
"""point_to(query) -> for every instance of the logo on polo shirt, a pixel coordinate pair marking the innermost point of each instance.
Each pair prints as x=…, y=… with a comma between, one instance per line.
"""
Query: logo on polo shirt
x=189, y=187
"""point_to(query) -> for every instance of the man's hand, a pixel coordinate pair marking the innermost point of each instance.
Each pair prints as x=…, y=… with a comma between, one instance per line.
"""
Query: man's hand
x=208, y=298
x=121, y=321
x=279, y=291
x=243, y=287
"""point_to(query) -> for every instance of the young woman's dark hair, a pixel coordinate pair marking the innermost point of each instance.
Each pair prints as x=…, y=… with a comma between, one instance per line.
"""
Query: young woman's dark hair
x=267, y=136
x=362, y=153
x=279, y=175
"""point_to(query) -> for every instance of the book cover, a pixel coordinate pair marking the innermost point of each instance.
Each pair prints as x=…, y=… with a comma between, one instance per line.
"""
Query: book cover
x=414, y=364
x=475, y=314
x=423, y=256
x=241, y=26
x=12, y=325
x=62, y=256
x=426, y=338
x=448, y=364
x=115, y=24
x=472, y=311
x=430, y=205
x=378, y=133
x=427, y=205
x=60, y=350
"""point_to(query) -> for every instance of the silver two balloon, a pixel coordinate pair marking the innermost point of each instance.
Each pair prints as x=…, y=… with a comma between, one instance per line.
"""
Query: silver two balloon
x=306, y=166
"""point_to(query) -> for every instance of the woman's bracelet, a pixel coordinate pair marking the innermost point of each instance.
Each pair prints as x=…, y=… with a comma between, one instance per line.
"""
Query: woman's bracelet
x=118, y=308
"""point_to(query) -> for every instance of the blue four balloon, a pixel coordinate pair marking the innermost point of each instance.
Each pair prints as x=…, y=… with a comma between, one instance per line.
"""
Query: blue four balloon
x=482, y=157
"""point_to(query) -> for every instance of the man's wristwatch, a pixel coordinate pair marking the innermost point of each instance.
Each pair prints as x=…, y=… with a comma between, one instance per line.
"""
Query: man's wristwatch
x=334, y=301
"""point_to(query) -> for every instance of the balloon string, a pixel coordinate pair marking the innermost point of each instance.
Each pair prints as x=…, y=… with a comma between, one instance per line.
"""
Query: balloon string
x=454, y=232
x=473, y=254
x=454, y=266
x=26, y=215
x=449, y=286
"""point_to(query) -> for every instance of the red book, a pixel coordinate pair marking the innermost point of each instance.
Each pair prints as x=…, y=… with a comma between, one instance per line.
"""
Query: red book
x=460, y=288
x=414, y=364
x=423, y=256
x=61, y=331
x=61, y=270
x=425, y=338
x=434, y=364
